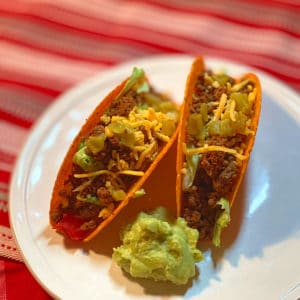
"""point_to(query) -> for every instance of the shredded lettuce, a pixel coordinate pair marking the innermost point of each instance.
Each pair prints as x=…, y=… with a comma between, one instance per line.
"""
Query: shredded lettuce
x=133, y=79
x=192, y=165
x=96, y=143
x=86, y=162
x=82, y=144
x=143, y=106
x=222, y=221
x=118, y=195
x=143, y=88
x=90, y=199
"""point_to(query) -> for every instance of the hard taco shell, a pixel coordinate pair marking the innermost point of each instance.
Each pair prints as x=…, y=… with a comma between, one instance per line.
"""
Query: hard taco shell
x=197, y=68
x=66, y=168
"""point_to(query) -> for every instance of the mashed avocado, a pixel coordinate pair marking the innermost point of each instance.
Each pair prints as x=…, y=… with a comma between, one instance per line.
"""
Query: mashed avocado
x=153, y=248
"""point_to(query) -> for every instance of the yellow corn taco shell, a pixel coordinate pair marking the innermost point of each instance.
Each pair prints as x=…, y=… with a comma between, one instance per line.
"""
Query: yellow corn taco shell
x=67, y=203
x=195, y=217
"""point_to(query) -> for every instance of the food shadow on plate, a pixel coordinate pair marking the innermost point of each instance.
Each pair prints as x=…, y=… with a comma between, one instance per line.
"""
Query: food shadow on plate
x=232, y=231
x=150, y=287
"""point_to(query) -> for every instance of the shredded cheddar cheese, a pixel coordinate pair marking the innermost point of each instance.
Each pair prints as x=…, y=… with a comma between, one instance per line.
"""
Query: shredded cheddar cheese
x=240, y=85
x=208, y=148
x=139, y=148
x=162, y=137
x=249, y=131
x=102, y=172
x=252, y=95
x=105, y=119
x=107, y=132
x=83, y=186
x=122, y=164
x=216, y=84
x=249, y=87
x=145, y=153
x=228, y=85
x=93, y=174
x=220, y=108
x=131, y=172
x=232, y=110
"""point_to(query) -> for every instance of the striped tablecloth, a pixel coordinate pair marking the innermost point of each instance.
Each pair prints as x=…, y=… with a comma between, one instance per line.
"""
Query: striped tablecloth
x=48, y=46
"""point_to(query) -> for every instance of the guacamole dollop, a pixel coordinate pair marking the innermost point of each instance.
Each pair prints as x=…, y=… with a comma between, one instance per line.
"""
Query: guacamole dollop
x=157, y=249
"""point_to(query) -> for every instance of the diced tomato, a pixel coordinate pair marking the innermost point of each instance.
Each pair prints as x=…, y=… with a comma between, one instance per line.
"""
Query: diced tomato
x=70, y=224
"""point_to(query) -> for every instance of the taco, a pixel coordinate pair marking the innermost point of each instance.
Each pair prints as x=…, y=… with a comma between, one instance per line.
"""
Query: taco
x=115, y=151
x=217, y=129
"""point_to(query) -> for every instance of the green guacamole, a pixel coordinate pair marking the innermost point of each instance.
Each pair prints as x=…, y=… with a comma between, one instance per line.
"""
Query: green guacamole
x=156, y=249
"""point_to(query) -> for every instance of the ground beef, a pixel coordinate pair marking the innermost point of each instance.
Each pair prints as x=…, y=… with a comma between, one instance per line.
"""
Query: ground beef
x=112, y=143
x=99, y=129
x=202, y=179
x=102, y=156
x=192, y=140
x=198, y=99
x=125, y=152
x=213, y=197
x=206, y=94
x=105, y=195
x=81, y=208
x=64, y=193
x=89, y=225
x=72, y=180
x=123, y=105
x=199, y=214
x=217, y=171
x=226, y=179
x=88, y=211
x=126, y=155
x=229, y=142
x=215, y=177
x=213, y=163
x=90, y=190
x=219, y=91
x=200, y=211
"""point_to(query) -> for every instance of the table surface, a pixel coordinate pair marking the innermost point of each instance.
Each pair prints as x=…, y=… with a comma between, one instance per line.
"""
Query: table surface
x=49, y=46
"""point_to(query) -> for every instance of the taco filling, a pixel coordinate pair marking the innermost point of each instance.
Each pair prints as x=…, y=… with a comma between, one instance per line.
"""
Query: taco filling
x=218, y=127
x=114, y=156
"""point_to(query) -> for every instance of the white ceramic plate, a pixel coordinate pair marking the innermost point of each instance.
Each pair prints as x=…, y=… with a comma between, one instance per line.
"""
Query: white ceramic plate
x=259, y=258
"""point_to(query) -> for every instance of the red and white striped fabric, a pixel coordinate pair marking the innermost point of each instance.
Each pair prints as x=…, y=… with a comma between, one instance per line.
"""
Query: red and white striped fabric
x=47, y=46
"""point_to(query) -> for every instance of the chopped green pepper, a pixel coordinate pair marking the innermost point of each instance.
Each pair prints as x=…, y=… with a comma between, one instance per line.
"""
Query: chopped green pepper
x=96, y=143
x=90, y=199
x=195, y=124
